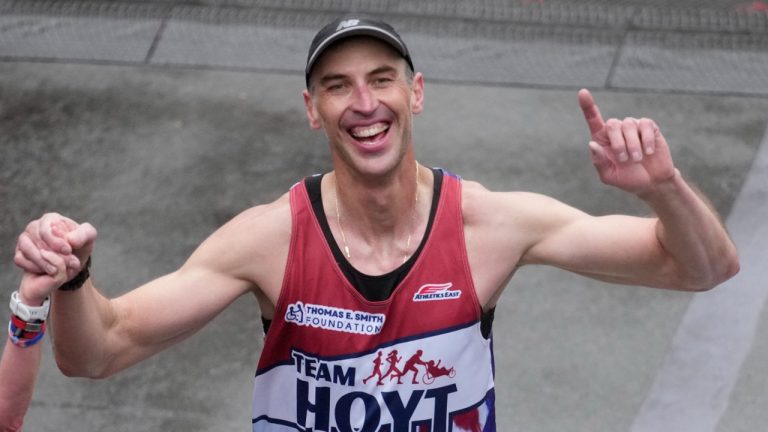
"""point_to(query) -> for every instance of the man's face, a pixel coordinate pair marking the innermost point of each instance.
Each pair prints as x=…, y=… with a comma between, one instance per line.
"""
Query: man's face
x=362, y=98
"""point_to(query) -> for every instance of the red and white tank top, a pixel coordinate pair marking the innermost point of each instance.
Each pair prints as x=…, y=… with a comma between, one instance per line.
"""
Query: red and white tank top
x=336, y=362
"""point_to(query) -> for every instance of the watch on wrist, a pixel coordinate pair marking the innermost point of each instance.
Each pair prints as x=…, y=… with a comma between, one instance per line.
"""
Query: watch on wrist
x=29, y=313
x=77, y=282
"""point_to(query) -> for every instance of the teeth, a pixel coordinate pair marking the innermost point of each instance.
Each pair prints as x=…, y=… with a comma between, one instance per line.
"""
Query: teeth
x=369, y=131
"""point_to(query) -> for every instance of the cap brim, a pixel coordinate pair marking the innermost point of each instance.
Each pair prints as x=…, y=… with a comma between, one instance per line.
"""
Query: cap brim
x=362, y=30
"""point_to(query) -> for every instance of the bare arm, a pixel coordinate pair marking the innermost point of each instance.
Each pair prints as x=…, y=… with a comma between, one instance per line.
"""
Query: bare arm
x=18, y=372
x=684, y=247
x=19, y=366
x=97, y=337
x=692, y=250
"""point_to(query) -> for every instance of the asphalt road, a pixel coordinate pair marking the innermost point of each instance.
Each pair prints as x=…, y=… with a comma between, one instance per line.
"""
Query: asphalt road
x=158, y=121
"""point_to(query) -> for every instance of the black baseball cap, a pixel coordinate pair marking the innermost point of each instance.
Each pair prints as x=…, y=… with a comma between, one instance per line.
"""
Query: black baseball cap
x=353, y=25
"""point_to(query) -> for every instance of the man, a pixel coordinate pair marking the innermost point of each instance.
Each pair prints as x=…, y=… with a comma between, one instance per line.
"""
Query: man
x=382, y=254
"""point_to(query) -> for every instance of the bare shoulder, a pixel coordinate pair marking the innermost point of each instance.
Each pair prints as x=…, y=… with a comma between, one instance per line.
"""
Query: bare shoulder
x=500, y=222
x=482, y=207
x=265, y=220
x=252, y=246
x=499, y=230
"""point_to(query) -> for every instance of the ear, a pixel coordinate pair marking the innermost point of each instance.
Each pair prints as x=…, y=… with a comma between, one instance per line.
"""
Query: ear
x=314, y=121
x=417, y=93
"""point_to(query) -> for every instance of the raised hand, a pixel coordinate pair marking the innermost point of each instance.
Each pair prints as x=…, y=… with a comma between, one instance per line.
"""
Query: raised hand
x=35, y=287
x=630, y=154
x=53, y=249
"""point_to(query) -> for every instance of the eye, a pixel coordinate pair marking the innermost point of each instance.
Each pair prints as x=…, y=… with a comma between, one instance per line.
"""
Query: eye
x=382, y=82
x=338, y=87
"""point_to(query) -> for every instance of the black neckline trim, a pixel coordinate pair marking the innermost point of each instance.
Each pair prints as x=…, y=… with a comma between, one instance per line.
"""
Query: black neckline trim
x=372, y=287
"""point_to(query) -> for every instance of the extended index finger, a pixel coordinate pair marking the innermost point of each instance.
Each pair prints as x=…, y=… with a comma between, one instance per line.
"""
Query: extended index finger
x=591, y=112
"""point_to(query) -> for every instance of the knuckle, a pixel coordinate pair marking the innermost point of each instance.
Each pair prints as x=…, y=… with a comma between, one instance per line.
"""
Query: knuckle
x=25, y=242
x=33, y=226
x=89, y=230
x=53, y=259
x=629, y=124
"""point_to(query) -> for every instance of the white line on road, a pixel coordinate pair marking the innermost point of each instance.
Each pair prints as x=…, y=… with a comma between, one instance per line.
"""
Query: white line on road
x=693, y=385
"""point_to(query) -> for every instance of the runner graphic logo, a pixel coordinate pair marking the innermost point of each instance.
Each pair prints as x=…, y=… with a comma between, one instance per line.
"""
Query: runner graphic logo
x=432, y=369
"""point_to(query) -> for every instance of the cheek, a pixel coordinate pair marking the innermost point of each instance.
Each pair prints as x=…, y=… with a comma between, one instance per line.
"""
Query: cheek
x=330, y=112
x=406, y=102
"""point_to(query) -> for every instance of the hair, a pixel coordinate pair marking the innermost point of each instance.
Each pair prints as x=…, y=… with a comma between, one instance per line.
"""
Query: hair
x=409, y=75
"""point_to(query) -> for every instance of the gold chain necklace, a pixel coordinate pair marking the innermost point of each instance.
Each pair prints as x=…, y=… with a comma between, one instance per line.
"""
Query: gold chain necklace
x=413, y=214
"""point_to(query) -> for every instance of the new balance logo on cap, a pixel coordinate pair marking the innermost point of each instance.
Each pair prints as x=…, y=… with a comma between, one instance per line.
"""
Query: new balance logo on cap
x=344, y=27
x=347, y=23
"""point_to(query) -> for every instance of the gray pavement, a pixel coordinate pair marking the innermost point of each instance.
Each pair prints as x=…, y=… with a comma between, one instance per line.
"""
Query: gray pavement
x=158, y=121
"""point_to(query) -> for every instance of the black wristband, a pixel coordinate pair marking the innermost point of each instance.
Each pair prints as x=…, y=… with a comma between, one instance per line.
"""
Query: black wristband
x=77, y=282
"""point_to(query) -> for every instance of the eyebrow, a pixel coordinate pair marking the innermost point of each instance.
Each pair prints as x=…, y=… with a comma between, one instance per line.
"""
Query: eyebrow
x=383, y=69
x=331, y=77
x=339, y=76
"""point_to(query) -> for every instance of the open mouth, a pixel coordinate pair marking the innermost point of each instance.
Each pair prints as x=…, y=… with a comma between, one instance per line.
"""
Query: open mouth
x=370, y=133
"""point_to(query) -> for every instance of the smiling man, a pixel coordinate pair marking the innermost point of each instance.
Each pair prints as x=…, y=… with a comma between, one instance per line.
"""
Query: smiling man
x=382, y=266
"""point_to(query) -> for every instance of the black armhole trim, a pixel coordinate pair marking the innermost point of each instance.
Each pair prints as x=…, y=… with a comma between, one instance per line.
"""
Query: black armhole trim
x=486, y=322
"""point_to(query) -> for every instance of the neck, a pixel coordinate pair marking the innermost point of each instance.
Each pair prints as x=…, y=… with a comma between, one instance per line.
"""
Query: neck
x=377, y=208
x=382, y=222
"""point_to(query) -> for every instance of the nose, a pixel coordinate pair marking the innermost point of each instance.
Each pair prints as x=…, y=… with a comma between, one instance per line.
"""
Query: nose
x=364, y=101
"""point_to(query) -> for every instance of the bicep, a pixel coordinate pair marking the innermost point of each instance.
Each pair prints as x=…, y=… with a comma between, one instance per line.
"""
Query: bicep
x=507, y=230
x=614, y=248
x=172, y=307
x=176, y=304
x=169, y=309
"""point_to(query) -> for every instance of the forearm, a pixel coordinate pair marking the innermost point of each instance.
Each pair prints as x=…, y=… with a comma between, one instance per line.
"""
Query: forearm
x=18, y=372
x=692, y=236
x=81, y=323
x=97, y=337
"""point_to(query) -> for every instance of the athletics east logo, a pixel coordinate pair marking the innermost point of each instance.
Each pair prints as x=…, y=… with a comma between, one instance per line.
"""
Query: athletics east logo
x=429, y=292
